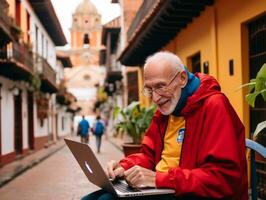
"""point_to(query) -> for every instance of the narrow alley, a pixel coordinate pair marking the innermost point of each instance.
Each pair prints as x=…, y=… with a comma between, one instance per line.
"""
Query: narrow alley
x=57, y=177
x=182, y=83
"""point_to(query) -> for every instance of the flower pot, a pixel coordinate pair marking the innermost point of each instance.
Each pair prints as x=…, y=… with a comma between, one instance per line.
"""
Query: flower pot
x=131, y=148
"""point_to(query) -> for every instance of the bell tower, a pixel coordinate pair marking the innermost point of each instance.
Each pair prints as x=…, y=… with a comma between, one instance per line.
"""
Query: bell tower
x=85, y=35
x=85, y=42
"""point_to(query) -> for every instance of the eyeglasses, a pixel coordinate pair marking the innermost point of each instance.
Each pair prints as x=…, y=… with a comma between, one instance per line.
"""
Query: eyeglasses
x=147, y=92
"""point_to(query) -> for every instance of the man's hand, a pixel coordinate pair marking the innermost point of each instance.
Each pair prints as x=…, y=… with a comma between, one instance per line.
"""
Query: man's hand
x=140, y=177
x=114, y=170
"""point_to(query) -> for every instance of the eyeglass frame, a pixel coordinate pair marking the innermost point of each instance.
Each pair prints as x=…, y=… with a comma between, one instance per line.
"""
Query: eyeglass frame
x=163, y=89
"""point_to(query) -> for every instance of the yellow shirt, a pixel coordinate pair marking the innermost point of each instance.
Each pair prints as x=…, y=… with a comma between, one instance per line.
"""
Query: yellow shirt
x=172, y=144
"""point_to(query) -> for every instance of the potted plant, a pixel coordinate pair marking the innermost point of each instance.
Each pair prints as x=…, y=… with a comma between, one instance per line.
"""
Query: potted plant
x=133, y=120
x=257, y=87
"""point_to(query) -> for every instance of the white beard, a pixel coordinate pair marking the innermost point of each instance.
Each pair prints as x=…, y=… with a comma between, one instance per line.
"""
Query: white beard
x=171, y=108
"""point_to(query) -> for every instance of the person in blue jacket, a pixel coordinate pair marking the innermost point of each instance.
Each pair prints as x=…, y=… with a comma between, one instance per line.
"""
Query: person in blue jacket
x=98, y=130
x=83, y=130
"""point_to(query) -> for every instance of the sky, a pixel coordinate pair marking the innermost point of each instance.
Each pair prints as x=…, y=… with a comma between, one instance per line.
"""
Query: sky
x=65, y=8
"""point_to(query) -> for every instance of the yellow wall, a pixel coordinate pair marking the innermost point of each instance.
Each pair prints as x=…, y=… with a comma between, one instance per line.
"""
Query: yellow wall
x=144, y=101
x=230, y=47
x=199, y=36
x=220, y=34
x=11, y=9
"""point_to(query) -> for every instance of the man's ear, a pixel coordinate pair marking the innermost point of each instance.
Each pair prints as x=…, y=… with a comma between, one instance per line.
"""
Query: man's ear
x=183, y=79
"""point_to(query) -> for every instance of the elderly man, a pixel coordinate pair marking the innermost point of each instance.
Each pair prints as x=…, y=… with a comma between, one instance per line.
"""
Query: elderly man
x=195, y=143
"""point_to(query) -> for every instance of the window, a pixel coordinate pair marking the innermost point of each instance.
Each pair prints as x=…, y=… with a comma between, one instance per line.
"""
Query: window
x=28, y=27
x=43, y=52
x=41, y=122
x=47, y=49
x=86, y=40
x=195, y=63
x=18, y=12
x=36, y=38
x=63, y=123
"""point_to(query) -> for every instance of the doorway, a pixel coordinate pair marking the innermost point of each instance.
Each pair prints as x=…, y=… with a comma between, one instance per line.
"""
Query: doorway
x=30, y=121
x=132, y=84
x=18, y=123
x=257, y=57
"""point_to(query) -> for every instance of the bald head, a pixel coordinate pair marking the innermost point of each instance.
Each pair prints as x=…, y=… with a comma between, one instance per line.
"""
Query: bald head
x=166, y=59
x=162, y=64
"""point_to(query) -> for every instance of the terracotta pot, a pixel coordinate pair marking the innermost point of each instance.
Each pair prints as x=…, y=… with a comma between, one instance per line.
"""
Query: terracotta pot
x=131, y=148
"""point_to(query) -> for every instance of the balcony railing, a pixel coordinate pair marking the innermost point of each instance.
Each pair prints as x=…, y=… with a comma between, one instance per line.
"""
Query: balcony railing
x=17, y=54
x=44, y=68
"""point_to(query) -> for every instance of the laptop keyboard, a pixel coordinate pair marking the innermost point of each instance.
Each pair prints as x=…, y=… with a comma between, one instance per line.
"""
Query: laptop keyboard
x=123, y=187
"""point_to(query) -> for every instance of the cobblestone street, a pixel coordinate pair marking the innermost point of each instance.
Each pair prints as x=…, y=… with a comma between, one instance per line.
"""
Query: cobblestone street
x=57, y=177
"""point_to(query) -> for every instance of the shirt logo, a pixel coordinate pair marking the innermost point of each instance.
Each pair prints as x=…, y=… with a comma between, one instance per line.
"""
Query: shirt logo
x=180, y=135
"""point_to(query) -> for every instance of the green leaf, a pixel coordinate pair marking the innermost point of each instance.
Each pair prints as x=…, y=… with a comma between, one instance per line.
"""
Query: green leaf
x=260, y=84
x=263, y=93
x=116, y=111
x=251, y=98
x=251, y=85
x=262, y=73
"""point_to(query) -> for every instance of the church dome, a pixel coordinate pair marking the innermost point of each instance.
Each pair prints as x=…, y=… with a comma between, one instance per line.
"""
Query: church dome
x=86, y=7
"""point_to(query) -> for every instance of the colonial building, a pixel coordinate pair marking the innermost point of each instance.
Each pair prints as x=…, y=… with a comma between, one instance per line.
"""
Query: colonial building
x=29, y=32
x=113, y=88
x=65, y=106
x=84, y=53
x=210, y=38
x=225, y=39
x=130, y=74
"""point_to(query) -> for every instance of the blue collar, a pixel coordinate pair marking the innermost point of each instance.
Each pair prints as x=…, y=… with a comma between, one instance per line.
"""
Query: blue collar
x=191, y=86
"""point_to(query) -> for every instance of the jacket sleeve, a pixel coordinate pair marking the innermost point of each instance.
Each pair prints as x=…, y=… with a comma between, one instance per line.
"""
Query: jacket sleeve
x=146, y=157
x=218, y=172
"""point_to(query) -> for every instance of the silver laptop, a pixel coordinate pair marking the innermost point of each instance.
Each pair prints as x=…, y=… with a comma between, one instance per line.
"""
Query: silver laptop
x=95, y=173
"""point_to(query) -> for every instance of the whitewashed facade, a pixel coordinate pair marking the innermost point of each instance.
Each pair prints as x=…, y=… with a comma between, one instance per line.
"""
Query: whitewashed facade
x=21, y=128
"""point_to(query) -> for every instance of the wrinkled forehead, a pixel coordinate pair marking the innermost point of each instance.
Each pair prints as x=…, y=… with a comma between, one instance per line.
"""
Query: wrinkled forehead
x=157, y=70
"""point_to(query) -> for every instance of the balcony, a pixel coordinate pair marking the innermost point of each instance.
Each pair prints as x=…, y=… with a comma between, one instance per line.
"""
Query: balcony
x=5, y=24
x=48, y=75
x=16, y=62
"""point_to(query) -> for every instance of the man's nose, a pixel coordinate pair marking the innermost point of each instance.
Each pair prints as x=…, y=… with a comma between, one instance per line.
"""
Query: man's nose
x=155, y=97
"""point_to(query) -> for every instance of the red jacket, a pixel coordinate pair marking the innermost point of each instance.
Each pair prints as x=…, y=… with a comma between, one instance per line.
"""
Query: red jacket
x=213, y=162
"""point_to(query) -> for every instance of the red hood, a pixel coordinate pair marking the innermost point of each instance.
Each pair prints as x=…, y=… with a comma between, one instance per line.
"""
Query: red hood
x=208, y=86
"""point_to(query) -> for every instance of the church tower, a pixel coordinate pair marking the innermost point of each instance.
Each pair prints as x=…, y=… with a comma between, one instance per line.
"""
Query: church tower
x=85, y=35
x=84, y=54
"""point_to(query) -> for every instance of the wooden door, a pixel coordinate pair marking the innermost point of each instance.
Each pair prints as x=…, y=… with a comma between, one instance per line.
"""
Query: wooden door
x=18, y=123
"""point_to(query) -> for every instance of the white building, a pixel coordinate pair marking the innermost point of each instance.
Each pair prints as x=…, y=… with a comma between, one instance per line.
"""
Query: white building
x=28, y=66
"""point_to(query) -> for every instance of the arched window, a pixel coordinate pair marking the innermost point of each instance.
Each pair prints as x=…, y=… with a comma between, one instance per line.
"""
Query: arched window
x=86, y=40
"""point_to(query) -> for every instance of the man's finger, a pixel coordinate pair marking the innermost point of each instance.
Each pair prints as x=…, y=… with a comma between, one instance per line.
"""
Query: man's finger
x=110, y=168
x=132, y=172
x=119, y=172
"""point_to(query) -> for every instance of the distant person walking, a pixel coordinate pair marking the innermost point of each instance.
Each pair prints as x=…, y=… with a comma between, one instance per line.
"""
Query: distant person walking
x=98, y=131
x=83, y=130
